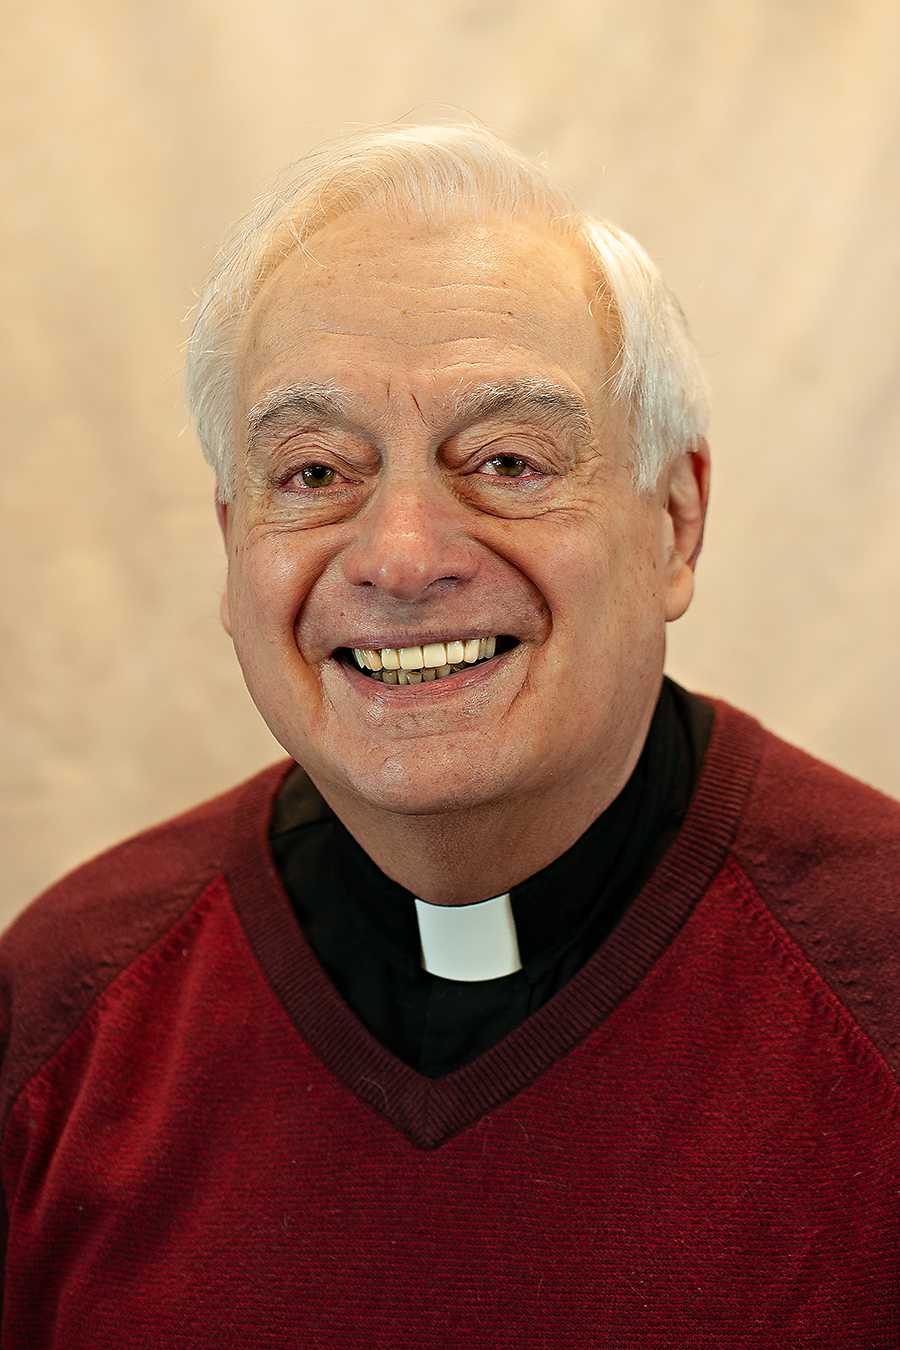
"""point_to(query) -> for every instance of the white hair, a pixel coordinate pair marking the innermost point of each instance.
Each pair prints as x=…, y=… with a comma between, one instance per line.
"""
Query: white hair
x=440, y=174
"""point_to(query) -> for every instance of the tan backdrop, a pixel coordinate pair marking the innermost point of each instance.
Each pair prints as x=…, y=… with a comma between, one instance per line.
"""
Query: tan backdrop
x=751, y=144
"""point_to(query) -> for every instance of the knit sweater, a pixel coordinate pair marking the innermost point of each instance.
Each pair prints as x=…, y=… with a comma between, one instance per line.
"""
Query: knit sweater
x=694, y=1143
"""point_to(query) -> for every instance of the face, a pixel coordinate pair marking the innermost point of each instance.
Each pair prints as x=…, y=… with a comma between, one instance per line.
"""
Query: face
x=427, y=457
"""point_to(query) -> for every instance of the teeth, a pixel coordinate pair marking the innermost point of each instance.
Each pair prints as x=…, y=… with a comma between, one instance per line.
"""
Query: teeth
x=435, y=660
x=434, y=655
x=410, y=658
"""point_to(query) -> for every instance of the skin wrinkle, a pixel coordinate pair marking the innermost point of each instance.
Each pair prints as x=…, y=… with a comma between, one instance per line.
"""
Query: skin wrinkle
x=313, y=400
x=450, y=310
x=329, y=404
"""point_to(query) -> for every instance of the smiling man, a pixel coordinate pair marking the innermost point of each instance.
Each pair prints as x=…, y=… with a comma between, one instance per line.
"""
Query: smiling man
x=431, y=458
x=534, y=1001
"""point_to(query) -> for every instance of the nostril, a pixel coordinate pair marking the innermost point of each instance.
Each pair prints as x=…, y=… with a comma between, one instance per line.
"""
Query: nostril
x=408, y=563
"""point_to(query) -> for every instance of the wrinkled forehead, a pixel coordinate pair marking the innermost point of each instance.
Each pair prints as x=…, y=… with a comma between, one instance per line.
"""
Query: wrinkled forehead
x=451, y=292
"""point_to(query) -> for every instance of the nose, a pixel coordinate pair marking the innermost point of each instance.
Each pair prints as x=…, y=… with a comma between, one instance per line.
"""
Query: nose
x=411, y=537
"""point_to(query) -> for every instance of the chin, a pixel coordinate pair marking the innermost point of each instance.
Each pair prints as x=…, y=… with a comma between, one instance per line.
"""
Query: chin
x=428, y=789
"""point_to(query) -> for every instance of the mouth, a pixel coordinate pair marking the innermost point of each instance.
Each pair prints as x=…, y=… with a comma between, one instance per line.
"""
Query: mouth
x=432, y=661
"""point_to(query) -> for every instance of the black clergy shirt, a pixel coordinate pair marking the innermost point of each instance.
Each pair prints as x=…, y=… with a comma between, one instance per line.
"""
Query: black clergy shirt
x=363, y=928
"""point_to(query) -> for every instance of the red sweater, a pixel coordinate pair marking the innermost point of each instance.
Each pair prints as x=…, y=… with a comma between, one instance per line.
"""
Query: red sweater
x=695, y=1143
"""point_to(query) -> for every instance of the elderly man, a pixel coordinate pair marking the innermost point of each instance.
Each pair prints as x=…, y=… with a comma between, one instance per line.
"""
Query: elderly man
x=544, y=1004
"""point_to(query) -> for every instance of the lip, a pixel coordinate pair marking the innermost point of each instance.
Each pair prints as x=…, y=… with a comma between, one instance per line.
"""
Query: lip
x=462, y=680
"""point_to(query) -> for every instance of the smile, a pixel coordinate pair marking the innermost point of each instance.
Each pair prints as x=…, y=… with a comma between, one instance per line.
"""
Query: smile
x=418, y=665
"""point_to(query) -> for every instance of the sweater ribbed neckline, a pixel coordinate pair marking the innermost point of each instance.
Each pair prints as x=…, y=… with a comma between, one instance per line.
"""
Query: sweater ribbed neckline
x=431, y=1110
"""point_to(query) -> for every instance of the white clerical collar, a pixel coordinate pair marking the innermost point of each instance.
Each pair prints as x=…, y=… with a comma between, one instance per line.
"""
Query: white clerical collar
x=469, y=942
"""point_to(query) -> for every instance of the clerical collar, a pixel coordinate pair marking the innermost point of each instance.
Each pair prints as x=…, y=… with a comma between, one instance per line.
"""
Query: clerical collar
x=469, y=942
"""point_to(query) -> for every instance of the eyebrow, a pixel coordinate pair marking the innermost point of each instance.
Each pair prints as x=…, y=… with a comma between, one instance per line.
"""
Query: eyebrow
x=525, y=397
x=318, y=402
x=521, y=397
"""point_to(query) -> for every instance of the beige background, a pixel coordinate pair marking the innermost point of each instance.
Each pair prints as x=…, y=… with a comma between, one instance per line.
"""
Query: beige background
x=751, y=144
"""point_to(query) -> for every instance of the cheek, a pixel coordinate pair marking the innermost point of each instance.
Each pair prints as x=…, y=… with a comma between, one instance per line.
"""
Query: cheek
x=267, y=585
x=603, y=560
x=609, y=595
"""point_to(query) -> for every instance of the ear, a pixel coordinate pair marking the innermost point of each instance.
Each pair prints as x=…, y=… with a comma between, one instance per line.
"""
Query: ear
x=223, y=517
x=686, y=498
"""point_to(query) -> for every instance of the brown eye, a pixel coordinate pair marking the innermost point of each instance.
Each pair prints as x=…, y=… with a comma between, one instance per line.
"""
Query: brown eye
x=509, y=465
x=317, y=475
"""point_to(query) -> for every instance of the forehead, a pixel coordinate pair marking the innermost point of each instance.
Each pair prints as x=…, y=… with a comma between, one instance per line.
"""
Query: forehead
x=372, y=303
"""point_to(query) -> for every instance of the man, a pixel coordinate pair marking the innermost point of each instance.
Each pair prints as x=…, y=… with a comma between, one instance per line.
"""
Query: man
x=545, y=1005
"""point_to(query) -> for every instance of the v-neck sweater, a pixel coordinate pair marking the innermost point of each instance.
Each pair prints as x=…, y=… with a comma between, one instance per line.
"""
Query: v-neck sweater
x=695, y=1141
x=362, y=925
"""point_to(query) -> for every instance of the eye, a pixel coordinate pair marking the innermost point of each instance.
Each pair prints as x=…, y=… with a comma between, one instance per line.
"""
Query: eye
x=310, y=476
x=507, y=466
x=315, y=475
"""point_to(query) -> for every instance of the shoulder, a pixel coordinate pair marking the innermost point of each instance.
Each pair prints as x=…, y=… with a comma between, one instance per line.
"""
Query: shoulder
x=76, y=938
x=812, y=838
x=809, y=824
x=822, y=850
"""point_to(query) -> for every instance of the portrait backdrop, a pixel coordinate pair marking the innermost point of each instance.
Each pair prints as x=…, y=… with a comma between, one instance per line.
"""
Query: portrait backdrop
x=753, y=146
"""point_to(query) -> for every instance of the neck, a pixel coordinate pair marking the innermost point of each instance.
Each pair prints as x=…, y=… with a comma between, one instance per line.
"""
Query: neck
x=461, y=857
